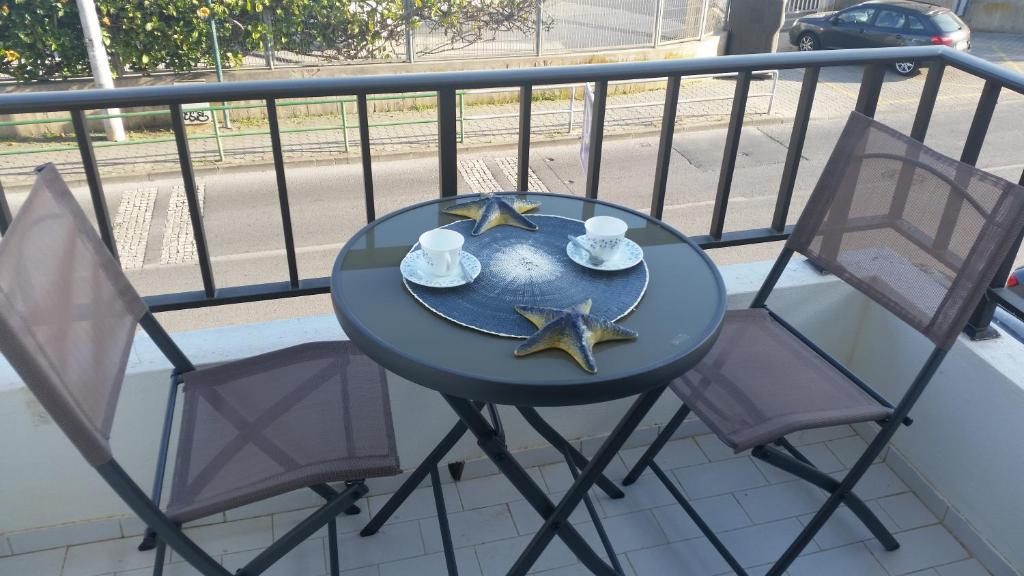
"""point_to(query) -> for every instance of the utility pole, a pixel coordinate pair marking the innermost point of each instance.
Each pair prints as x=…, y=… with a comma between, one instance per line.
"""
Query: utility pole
x=99, y=63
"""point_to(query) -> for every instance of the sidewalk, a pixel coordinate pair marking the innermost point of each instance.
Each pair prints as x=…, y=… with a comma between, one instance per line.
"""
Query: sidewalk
x=835, y=97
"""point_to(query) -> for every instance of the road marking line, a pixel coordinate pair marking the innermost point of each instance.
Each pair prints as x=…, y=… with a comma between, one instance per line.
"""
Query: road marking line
x=131, y=226
x=478, y=176
x=179, y=245
x=510, y=168
x=1009, y=62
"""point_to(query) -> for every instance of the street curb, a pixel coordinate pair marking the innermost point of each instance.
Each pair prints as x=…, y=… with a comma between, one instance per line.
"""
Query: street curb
x=268, y=165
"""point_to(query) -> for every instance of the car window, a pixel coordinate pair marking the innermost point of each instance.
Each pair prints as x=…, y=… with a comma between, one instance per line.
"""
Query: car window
x=947, y=22
x=856, y=16
x=890, y=19
x=915, y=23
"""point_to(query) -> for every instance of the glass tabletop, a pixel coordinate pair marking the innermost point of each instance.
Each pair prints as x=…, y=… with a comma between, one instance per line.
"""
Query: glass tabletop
x=677, y=320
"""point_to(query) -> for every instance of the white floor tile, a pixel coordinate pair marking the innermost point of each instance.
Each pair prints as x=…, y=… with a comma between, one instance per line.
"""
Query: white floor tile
x=529, y=521
x=919, y=549
x=721, y=513
x=714, y=449
x=393, y=542
x=815, y=435
x=229, y=537
x=420, y=503
x=647, y=492
x=491, y=490
x=675, y=454
x=853, y=560
x=105, y=557
x=285, y=521
x=841, y=529
x=627, y=532
x=879, y=481
x=465, y=561
x=470, y=527
x=496, y=558
x=696, y=557
x=963, y=568
x=718, y=478
x=906, y=511
x=69, y=534
x=558, y=478
x=763, y=543
x=779, y=501
x=45, y=563
x=306, y=559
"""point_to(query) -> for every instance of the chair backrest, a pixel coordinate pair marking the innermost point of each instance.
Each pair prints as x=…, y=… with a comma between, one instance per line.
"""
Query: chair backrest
x=68, y=314
x=917, y=232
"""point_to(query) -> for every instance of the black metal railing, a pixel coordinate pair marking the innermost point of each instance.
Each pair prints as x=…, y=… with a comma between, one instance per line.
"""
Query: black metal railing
x=446, y=84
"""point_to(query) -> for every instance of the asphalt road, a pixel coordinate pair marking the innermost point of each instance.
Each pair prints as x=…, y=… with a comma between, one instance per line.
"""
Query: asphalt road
x=244, y=228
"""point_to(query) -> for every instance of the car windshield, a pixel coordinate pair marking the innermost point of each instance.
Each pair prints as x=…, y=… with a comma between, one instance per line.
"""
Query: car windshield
x=947, y=22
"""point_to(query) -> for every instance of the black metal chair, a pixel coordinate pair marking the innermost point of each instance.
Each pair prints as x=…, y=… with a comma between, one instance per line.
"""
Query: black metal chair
x=301, y=417
x=918, y=233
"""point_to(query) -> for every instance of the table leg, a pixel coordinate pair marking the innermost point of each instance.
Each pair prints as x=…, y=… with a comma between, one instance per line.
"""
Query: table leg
x=554, y=523
x=570, y=451
x=534, y=495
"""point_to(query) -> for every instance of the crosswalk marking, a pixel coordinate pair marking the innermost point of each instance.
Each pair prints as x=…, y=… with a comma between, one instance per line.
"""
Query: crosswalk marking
x=179, y=245
x=131, y=226
x=510, y=168
x=478, y=176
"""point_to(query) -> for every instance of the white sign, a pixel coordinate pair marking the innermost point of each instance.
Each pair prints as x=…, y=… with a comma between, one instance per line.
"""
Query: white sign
x=196, y=112
x=588, y=107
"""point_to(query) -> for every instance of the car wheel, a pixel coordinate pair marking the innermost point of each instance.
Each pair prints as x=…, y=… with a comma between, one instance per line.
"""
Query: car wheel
x=807, y=42
x=906, y=67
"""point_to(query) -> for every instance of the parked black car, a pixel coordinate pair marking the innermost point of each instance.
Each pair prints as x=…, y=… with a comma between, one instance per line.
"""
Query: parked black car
x=882, y=23
x=1016, y=282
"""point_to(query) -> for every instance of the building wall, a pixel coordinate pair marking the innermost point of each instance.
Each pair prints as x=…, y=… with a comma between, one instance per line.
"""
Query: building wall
x=996, y=16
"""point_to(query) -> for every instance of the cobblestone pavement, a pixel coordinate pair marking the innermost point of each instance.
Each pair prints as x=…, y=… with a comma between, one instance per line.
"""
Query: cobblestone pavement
x=704, y=102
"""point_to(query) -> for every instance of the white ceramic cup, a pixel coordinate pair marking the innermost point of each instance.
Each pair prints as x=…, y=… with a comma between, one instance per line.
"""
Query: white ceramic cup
x=605, y=235
x=442, y=249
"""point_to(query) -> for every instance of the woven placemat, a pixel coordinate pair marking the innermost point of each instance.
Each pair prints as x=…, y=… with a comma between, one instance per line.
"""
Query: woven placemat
x=520, y=267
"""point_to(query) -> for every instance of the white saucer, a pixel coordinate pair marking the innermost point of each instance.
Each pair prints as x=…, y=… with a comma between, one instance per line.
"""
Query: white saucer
x=415, y=270
x=630, y=254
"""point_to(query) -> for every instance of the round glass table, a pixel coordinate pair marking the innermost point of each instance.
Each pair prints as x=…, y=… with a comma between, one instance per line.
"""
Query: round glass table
x=678, y=320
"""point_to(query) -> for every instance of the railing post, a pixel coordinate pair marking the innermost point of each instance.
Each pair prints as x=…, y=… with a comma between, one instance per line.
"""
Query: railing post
x=668, y=129
x=188, y=177
x=979, y=326
x=732, y=148
x=282, y=193
x=525, y=112
x=462, y=117
x=796, y=147
x=364, y=146
x=447, y=145
x=92, y=176
x=344, y=122
x=596, y=137
x=925, y=107
x=870, y=89
x=5, y=212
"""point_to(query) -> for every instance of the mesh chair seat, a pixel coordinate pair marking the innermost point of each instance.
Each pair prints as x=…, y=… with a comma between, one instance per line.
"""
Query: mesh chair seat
x=760, y=382
x=277, y=422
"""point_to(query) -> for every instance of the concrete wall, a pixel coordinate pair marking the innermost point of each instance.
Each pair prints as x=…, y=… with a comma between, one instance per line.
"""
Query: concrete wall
x=712, y=45
x=996, y=16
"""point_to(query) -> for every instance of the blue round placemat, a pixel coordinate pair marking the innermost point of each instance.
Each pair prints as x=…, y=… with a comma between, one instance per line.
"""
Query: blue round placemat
x=520, y=267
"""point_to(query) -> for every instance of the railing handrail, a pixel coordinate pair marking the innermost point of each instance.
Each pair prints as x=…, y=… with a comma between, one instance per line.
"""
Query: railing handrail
x=16, y=103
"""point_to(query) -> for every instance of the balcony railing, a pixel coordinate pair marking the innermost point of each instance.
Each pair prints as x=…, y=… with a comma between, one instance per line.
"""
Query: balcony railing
x=447, y=84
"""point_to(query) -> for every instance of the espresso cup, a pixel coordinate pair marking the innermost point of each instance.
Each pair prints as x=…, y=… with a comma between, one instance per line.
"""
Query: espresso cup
x=441, y=249
x=605, y=235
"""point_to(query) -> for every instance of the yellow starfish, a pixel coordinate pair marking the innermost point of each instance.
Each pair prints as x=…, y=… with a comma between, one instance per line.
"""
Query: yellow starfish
x=491, y=210
x=574, y=330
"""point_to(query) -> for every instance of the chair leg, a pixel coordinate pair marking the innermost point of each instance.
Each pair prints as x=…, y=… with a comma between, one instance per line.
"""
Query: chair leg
x=799, y=466
x=657, y=445
x=158, y=561
x=332, y=547
x=442, y=522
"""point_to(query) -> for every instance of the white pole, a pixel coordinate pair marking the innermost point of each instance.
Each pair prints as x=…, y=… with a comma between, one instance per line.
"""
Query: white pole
x=99, y=63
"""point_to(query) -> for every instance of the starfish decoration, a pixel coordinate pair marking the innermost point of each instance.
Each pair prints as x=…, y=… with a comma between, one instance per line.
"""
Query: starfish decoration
x=574, y=331
x=490, y=211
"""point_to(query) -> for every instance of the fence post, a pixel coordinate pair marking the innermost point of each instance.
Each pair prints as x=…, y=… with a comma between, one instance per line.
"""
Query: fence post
x=659, y=16
x=268, y=39
x=572, y=108
x=704, y=20
x=410, y=46
x=539, y=29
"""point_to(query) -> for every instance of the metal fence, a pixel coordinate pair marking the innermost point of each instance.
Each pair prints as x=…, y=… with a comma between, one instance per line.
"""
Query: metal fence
x=797, y=6
x=561, y=26
x=447, y=85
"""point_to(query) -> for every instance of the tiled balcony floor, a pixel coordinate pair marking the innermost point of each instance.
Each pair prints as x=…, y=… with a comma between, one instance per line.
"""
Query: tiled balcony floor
x=756, y=510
